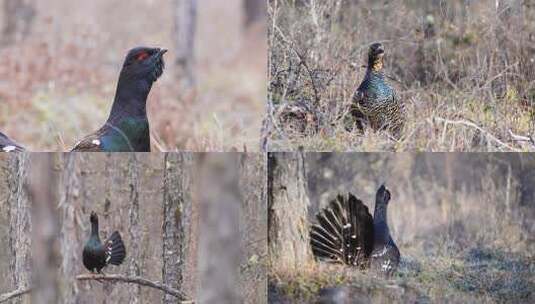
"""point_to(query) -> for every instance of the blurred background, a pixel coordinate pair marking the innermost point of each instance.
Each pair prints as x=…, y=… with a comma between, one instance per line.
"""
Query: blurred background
x=60, y=60
x=464, y=70
x=464, y=224
x=209, y=242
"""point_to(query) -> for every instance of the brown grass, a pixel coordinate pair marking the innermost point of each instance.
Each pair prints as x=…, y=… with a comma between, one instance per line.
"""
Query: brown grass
x=465, y=74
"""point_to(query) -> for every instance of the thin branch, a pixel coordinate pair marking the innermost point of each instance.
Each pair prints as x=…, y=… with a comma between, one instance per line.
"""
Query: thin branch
x=135, y=280
x=16, y=293
x=475, y=126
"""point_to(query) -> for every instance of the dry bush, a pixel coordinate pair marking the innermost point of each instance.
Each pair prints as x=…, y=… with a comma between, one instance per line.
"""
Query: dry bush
x=465, y=70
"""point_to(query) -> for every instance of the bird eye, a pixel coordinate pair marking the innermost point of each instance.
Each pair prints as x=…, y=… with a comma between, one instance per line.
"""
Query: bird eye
x=142, y=56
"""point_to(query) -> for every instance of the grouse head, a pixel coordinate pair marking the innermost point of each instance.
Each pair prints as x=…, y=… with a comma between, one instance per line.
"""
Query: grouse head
x=383, y=195
x=93, y=218
x=144, y=63
x=375, y=56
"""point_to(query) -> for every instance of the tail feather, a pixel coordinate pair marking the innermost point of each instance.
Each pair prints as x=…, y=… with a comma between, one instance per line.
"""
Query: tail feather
x=344, y=233
x=115, y=250
x=324, y=245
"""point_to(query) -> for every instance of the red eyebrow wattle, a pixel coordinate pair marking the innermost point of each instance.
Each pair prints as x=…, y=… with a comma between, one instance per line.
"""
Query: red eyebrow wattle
x=142, y=56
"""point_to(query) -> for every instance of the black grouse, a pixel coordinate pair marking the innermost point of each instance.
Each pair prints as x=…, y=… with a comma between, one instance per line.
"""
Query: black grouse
x=346, y=233
x=7, y=145
x=127, y=127
x=375, y=102
x=97, y=255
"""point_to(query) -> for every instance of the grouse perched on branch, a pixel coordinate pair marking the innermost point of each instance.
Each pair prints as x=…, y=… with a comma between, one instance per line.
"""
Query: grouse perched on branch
x=127, y=127
x=347, y=234
x=7, y=145
x=97, y=255
x=375, y=102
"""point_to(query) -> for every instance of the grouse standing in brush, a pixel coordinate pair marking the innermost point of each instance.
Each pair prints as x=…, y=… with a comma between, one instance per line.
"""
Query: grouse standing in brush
x=7, y=145
x=127, y=127
x=375, y=102
x=346, y=233
x=97, y=255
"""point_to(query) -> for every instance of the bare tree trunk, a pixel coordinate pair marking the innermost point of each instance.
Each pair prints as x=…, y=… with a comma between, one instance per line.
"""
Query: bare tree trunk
x=219, y=244
x=20, y=224
x=185, y=29
x=134, y=227
x=18, y=18
x=253, y=228
x=45, y=256
x=287, y=211
x=176, y=220
x=70, y=229
x=255, y=11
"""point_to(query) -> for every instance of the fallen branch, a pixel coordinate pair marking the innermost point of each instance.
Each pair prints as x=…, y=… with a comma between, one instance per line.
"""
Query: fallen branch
x=475, y=126
x=16, y=293
x=529, y=140
x=134, y=280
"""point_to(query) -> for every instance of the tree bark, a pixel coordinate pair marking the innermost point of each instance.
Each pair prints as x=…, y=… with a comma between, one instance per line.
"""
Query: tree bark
x=288, y=236
x=176, y=220
x=70, y=230
x=185, y=29
x=20, y=224
x=253, y=228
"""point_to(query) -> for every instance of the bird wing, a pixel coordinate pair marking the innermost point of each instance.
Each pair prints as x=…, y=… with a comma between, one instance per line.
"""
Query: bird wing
x=7, y=145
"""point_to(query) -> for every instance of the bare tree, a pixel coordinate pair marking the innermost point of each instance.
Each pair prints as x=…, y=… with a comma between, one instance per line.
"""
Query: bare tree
x=287, y=211
x=185, y=29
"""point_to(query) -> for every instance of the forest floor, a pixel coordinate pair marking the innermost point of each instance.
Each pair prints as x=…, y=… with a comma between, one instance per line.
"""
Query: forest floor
x=470, y=275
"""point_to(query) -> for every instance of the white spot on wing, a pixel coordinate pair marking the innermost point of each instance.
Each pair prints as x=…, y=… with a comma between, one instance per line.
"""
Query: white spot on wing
x=96, y=142
x=9, y=148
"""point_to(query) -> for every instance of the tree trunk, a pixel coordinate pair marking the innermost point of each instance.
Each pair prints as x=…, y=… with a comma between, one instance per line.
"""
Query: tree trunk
x=70, y=230
x=185, y=29
x=20, y=224
x=287, y=211
x=255, y=11
x=219, y=239
x=134, y=227
x=253, y=228
x=18, y=18
x=45, y=256
x=177, y=220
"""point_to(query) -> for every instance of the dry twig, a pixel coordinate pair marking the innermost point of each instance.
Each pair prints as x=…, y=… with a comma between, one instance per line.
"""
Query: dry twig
x=13, y=294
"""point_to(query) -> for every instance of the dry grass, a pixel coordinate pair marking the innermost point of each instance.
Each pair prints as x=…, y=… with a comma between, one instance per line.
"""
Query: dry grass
x=463, y=223
x=466, y=75
x=57, y=85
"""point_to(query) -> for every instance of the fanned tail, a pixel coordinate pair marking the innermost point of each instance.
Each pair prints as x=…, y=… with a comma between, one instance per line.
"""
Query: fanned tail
x=344, y=233
x=115, y=250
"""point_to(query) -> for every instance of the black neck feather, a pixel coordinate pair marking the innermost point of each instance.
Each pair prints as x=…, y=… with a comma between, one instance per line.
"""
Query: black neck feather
x=130, y=98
